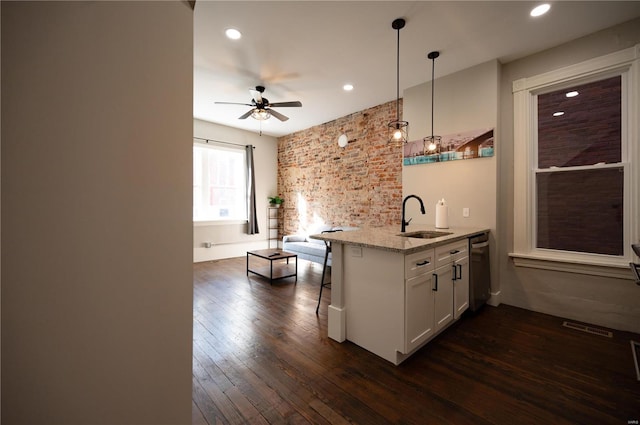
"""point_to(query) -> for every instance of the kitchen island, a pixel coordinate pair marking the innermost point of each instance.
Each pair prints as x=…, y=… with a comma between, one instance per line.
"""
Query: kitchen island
x=391, y=293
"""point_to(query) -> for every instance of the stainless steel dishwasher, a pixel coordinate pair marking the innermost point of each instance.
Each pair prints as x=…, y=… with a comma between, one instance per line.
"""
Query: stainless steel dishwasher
x=479, y=273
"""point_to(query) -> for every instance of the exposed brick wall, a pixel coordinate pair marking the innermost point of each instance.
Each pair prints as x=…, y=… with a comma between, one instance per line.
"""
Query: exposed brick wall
x=359, y=185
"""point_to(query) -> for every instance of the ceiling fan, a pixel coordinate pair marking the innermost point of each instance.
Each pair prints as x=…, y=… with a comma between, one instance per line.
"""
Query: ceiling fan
x=261, y=108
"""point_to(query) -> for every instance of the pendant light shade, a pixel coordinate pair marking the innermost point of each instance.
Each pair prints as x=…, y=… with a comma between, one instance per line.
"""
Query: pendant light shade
x=432, y=143
x=398, y=130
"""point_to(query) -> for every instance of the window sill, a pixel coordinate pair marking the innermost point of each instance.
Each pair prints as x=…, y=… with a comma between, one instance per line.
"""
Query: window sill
x=218, y=223
x=618, y=269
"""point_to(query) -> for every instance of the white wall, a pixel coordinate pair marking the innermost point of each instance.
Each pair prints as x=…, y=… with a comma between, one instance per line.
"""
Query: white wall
x=231, y=240
x=597, y=300
x=0, y=243
x=96, y=212
x=467, y=100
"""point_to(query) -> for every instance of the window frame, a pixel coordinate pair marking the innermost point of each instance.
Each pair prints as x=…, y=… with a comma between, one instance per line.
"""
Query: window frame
x=224, y=221
x=525, y=92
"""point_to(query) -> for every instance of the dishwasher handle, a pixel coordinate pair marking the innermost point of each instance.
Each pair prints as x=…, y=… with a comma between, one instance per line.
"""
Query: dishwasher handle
x=480, y=245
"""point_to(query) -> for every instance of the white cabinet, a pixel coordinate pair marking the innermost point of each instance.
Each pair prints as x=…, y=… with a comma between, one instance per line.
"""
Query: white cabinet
x=436, y=291
x=455, y=257
x=443, y=296
x=461, y=286
x=419, y=299
x=394, y=303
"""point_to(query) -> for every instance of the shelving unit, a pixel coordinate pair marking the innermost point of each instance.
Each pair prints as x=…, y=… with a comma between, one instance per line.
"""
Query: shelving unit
x=274, y=226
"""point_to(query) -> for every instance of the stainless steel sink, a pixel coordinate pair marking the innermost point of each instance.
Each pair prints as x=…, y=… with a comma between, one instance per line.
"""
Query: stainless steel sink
x=425, y=234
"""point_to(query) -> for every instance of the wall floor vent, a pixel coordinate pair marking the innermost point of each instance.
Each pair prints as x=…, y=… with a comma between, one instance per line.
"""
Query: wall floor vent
x=635, y=349
x=588, y=329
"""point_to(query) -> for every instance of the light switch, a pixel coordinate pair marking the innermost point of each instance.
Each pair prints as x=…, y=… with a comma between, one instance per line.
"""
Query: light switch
x=465, y=212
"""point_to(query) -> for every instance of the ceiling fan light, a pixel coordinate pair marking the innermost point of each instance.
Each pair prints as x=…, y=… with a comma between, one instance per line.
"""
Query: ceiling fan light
x=261, y=114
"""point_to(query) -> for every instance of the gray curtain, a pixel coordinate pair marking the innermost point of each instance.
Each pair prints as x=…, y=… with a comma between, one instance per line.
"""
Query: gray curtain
x=252, y=227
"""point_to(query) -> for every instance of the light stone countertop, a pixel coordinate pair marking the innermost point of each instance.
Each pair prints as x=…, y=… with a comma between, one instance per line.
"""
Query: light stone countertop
x=387, y=238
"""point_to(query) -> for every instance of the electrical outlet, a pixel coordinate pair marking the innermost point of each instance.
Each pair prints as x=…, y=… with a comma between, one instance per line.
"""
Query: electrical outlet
x=465, y=212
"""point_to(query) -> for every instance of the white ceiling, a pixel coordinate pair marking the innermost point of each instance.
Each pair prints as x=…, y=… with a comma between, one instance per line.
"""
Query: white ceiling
x=307, y=50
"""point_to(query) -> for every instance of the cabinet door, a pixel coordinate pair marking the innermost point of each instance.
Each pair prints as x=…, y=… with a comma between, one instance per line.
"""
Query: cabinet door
x=419, y=311
x=443, y=296
x=461, y=286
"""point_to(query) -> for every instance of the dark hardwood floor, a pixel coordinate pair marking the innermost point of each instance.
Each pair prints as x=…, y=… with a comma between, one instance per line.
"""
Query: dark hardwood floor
x=262, y=356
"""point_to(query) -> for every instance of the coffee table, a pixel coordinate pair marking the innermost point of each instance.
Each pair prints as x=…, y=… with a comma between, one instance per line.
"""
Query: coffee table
x=276, y=266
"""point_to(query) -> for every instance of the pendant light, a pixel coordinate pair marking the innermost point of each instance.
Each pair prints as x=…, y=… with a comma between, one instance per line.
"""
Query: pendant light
x=398, y=130
x=432, y=143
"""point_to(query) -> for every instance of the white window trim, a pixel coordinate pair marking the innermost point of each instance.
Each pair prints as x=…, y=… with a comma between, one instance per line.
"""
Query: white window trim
x=524, y=94
x=224, y=221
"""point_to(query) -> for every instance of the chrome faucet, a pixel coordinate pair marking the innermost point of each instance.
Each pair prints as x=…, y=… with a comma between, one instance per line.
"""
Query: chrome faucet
x=404, y=202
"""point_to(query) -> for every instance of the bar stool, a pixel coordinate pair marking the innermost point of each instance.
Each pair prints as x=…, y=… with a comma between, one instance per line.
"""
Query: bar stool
x=327, y=251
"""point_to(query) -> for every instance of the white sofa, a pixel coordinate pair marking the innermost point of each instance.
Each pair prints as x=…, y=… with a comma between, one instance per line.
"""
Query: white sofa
x=308, y=248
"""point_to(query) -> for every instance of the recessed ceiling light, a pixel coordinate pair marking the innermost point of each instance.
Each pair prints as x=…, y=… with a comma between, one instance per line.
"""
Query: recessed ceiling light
x=558, y=114
x=572, y=94
x=233, y=34
x=347, y=87
x=540, y=10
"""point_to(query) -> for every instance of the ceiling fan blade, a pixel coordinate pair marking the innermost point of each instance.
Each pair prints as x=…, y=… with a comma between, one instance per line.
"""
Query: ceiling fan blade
x=233, y=103
x=278, y=115
x=257, y=96
x=246, y=114
x=296, y=104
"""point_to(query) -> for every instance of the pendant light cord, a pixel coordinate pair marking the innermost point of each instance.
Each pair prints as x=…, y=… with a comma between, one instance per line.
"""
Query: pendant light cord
x=398, y=78
x=433, y=55
x=433, y=86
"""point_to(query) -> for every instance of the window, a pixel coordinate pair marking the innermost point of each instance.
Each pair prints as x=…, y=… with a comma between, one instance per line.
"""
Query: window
x=219, y=183
x=576, y=185
x=579, y=177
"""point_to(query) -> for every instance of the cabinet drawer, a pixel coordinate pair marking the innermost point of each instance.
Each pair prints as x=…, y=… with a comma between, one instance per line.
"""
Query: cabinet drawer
x=418, y=263
x=450, y=252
